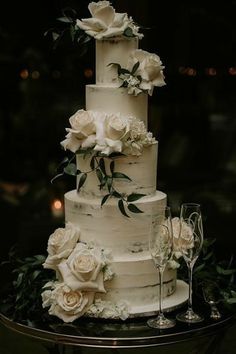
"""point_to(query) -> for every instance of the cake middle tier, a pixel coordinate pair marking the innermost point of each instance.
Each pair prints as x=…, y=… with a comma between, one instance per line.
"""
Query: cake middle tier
x=142, y=171
x=116, y=99
x=107, y=227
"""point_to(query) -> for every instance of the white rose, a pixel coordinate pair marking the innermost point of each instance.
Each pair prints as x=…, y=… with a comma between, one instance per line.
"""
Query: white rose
x=60, y=245
x=82, y=131
x=150, y=69
x=110, y=130
x=105, y=22
x=66, y=303
x=83, y=269
x=117, y=126
x=184, y=241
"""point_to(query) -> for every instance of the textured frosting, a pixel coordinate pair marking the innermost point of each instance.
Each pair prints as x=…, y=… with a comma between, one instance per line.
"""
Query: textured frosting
x=114, y=99
x=112, y=51
x=107, y=227
x=141, y=170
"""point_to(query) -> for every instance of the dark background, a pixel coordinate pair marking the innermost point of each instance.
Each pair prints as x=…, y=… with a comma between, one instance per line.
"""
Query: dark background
x=193, y=116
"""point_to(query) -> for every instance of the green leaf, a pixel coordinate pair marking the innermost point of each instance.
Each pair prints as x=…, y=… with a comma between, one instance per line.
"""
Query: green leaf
x=64, y=19
x=56, y=177
x=134, y=209
x=55, y=36
x=92, y=163
x=109, y=183
x=82, y=181
x=112, y=166
x=102, y=166
x=208, y=256
x=62, y=163
x=124, y=71
x=231, y=300
x=122, y=208
x=135, y=196
x=128, y=32
x=104, y=199
x=135, y=68
x=71, y=169
x=19, y=280
x=116, y=64
x=120, y=175
x=35, y=274
x=199, y=268
x=116, y=194
x=115, y=155
x=223, y=271
x=99, y=175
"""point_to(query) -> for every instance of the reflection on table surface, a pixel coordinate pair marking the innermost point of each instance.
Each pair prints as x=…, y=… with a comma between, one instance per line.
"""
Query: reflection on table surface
x=115, y=334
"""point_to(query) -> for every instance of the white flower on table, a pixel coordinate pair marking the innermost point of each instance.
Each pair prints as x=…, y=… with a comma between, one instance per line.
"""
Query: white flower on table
x=184, y=241
x=106, y=22
x=60, y=245
x=65, y=303
x=150, y=69
x=83, y=270
x=82, y=131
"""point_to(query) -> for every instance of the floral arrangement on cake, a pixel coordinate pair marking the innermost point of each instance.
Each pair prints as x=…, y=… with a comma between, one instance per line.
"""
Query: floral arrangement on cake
x=106, y=22
x=106, y=133
x=81, y=270
x=143, y=72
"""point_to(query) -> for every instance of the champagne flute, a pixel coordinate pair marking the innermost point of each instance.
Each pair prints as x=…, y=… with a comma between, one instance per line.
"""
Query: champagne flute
x=191, y=231
x=161, y=249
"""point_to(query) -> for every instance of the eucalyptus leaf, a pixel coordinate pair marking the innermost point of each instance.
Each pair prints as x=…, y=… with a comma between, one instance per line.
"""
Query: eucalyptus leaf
x=223, y=271
x=102, y=166
x=122, y=208
x=99, y=175
x=120, y=175
x=64, y=19
x=112, y=166
x=128, y=32
x=116, y=194
x=135, y=196
x=134, y=209
x=82, y=181
x=104, y=199
x=92, y=163
x=71, y=169
x=135, y=68
x=109, y=183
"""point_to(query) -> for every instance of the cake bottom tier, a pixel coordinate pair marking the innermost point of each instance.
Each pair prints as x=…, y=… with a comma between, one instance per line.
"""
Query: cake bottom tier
x=135, y=282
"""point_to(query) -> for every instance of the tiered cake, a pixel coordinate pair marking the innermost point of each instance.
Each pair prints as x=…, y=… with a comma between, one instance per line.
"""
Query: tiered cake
x=101, y=257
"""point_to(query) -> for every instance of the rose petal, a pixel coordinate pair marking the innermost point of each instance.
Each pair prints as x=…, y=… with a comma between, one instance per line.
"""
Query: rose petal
x=105, y=15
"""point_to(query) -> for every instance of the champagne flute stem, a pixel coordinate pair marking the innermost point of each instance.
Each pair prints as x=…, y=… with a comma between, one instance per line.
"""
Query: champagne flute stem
x=190, y=276
x=161, y=270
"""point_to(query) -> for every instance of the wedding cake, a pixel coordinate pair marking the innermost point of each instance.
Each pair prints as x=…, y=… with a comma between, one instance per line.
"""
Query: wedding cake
x=101, y=258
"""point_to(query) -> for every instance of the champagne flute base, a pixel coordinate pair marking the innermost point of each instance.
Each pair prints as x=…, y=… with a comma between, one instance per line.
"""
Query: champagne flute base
x=190, y=317
x=161, y=322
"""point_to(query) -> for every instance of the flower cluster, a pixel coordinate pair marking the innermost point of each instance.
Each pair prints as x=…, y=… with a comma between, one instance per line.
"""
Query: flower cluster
x=182, y=242
x=106, y=133
x=81, y=270
x=144, y=71
x=106, y=22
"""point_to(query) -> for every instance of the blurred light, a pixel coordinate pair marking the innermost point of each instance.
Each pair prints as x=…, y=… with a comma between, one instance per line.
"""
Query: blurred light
x=191, y=72
x=211, y=71
x=57, y=209
x=24, y=74
x=88, y=73
x=56, y=74
x=35, y=75
x=232, y=70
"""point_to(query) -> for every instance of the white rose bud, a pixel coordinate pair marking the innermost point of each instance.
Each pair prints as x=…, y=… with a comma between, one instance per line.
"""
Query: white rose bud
x=82, y=124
